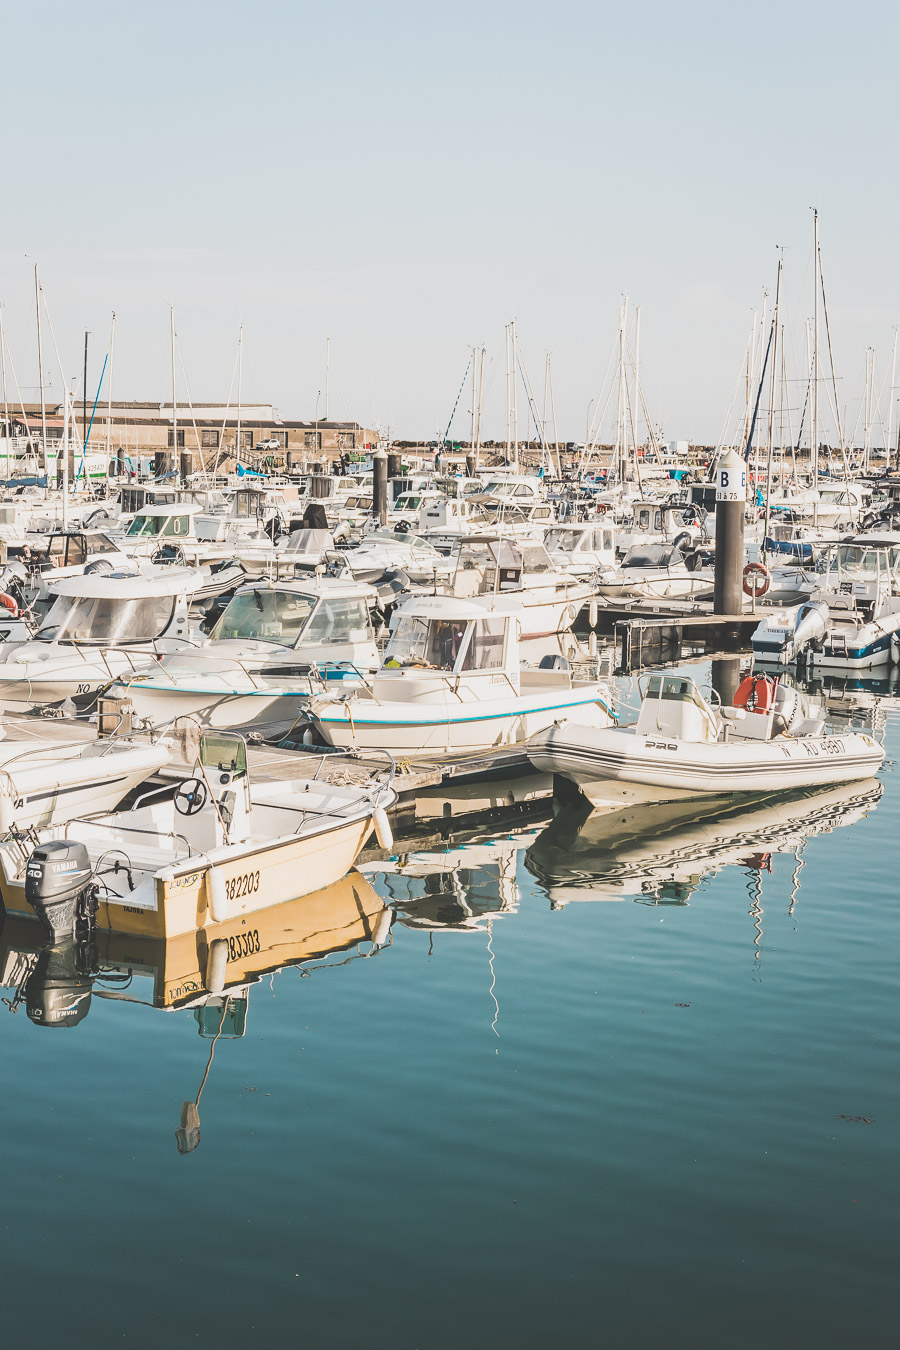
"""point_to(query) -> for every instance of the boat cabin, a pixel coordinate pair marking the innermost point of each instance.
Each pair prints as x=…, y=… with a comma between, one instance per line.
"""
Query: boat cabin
x=591, y=544
x=68, y=549
x=328, y=614
x=119, y=609
x=444, y=636
x=169, y=521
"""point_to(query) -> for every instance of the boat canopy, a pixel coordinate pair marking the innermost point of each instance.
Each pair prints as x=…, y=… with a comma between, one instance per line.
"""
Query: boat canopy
x=653, y=555
x=309, y=541
x=284, y=616
x=150, y=581
x=462, y=637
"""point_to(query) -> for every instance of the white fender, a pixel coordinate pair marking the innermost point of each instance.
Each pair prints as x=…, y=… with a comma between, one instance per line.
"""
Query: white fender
x=383, y=831
x=382, y=927
x=216, y=895
x=216, y=965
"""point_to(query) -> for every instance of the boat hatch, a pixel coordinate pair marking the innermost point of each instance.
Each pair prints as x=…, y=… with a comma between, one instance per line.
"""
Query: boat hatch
x=224, y=752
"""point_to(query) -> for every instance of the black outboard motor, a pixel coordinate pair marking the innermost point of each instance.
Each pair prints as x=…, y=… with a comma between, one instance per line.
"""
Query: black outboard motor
x=58, y=990
x=59, y=886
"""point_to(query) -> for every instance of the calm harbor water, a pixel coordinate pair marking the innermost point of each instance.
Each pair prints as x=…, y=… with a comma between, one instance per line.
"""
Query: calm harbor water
x=627, y=1085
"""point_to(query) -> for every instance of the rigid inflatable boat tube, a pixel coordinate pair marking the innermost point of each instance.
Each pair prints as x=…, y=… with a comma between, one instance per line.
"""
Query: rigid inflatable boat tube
x=217, y=895
x=216, y=965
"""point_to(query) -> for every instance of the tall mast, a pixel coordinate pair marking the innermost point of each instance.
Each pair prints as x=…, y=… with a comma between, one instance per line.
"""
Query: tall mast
x=37, y=301
x=176, y=460
x=814, y=421
x=112, y=345
x=508, y=400
x=327, y=373
x=70, y=472
x=474, y=399
x=636, y=402
x=772, y=387
x=515, y=389
x=890, y=433
x=6, y=402
x=241, y=395
x=480, y=398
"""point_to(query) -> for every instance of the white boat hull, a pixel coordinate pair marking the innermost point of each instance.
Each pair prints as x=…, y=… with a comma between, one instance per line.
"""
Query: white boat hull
x=612, y=766
x=439, y=727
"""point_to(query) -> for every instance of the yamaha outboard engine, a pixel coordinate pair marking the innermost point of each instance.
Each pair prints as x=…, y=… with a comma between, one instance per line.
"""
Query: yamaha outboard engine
x=59, y=886
x=58, y=990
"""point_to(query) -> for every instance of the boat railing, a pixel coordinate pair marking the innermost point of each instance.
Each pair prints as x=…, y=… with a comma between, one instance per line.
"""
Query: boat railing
x=154, y=834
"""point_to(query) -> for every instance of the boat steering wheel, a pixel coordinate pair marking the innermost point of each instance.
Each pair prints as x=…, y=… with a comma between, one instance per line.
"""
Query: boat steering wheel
x=190, y=797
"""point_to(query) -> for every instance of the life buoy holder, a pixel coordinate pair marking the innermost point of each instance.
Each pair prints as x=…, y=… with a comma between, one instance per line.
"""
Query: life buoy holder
x=9, y=603
x=756, y=693
x=752, y=587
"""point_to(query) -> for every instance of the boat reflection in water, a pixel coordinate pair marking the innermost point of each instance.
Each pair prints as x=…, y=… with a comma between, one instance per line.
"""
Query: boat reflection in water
x=659, y=854
x=209, y=972
x=456, y=885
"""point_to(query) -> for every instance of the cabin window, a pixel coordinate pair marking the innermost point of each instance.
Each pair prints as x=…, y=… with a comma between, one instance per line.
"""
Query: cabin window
x=485, y=651
x=432, y=644
x=337, y=621
x=107, y=621
x=97, y=543
x=75, y=551
x=265, y=615
x=177, y=525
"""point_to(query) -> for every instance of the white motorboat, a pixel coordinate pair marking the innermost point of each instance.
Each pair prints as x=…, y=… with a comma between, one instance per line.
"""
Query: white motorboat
x=652, y=572
x=582, y=549
x=99, y=627
x=275, y=644
x=451, y=681
x=860, y=595
x=398, y=550
x=219, y=849
x=551, y=599
x=783, y=634
x=770, y=741
x=46, y=782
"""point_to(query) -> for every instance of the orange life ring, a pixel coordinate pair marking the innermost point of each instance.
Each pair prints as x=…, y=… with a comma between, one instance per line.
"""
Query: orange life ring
x=9, y=603
x=756, y=693
x=753, y=570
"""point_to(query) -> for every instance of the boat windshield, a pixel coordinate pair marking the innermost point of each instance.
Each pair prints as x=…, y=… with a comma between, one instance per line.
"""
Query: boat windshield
x=152, y=526
x=862, y=561
x=309, y=541
x=267, y=616
x=652, y=555
x=430, y=643
x=565, y=539
x=108, y=621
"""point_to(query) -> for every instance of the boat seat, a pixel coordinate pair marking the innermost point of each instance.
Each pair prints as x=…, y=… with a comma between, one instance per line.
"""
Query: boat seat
x=810, y=726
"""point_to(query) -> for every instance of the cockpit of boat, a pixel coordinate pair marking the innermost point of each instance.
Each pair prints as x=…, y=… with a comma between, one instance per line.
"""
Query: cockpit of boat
x=448, y=645
x=284, y=616
x=106, y=621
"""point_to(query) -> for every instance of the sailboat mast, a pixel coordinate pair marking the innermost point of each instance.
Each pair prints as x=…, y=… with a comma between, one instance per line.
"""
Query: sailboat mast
x=112, y=348
x=176, y=460
x=772, y=388
x=327, y=373
x=890, y=432
x=241, y=396
x=480, y=398
x=4, y=398
x=814, y=421
x=37, y=301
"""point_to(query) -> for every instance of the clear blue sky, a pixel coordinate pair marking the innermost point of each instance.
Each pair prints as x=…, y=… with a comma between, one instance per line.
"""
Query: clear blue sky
x=406, y=177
